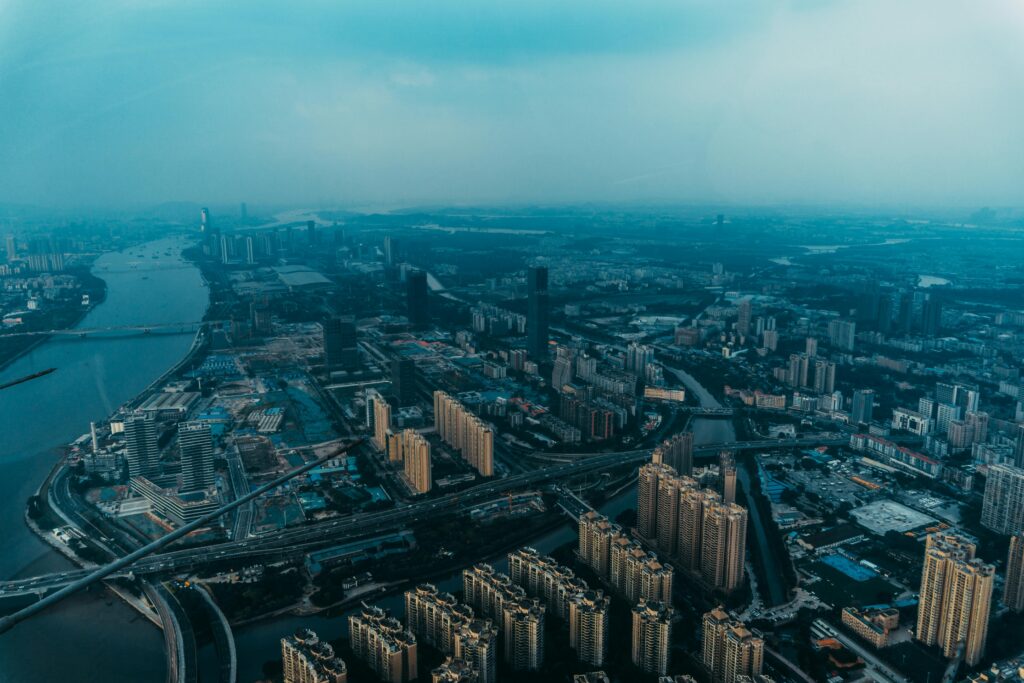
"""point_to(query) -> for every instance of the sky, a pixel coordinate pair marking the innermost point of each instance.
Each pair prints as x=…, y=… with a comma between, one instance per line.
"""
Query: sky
x=401, y=102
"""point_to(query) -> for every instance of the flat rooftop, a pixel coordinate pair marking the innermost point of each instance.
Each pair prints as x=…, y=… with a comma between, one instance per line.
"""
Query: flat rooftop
x=884, y=516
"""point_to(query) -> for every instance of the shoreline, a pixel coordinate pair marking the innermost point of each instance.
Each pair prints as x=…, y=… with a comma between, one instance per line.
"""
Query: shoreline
x=21, y=353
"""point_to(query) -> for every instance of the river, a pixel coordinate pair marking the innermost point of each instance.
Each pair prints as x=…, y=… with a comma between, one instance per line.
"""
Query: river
x=94, y=637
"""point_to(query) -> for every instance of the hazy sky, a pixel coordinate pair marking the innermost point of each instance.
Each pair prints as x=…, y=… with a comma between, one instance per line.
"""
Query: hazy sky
x=404, y=101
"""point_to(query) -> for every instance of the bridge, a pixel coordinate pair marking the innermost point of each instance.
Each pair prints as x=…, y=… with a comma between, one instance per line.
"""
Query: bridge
x=710, y=449
x=707, y=412
x=165, y=328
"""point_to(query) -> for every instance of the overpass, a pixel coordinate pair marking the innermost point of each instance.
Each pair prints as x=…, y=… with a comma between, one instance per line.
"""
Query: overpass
x=294, y=542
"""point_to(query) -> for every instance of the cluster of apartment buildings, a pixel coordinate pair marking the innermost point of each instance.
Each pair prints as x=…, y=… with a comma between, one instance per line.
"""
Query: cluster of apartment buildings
x=408, y=447
x=465, y=432
x=695, y=526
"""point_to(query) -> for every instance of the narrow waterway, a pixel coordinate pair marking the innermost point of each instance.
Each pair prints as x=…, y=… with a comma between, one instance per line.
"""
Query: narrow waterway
x=94, y=637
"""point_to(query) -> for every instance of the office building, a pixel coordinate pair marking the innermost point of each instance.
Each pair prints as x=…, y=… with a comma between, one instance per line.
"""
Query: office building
x=1013, y=594
x=141, y=450
x=307, y=659
x=537, y=313
x=730, y=649
x=403, y=381
x=384, y=644
x=955, y=598
x=677, y=453
x=465, y=432
x=476, y=643
x=842, y=334
x=435, y=618
x=863, y=406
x=417, y=299
x=723, y=546
x=523, y=627
x=652, y=637
x=196, y=447
x=1002, y=510
x=341, y=349
x=588, y=626
x=743, y=315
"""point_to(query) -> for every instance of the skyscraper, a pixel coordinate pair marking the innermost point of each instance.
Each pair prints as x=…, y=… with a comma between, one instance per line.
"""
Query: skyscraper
x=141, y=450
x=417, y=299
x=307, y=659
x=647, y=498
x=727, y=471
x=378, y=412
x=341, y=347
x=196, y=449
x=403, y=381
x=390, y=250
x=955, y=597
x=652, y=637
x=537, y=312
x=1013, y=595
x=1002, y=510
x=863, y=406
x=743, y=309
x=1018, y=451
x=588, y=626
x=596, y=534
x=730, y=649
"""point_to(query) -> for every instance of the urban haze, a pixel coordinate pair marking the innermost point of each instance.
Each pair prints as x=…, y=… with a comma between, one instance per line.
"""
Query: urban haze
x=581, y=342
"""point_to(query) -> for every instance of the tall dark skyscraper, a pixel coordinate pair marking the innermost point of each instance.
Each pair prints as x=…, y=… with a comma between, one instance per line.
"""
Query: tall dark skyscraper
x=403, y=381
x=341, y=351
x=416, y=299
x=537, y=312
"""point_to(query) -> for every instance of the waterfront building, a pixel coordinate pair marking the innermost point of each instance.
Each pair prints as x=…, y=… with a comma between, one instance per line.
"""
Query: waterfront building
x=141, y=450
x=488, y=591
x=434, y=617
x=677, y=453
x=723, y=546
x=307, y=659
x=384, y=644
x=196, y=447
x=596, y=534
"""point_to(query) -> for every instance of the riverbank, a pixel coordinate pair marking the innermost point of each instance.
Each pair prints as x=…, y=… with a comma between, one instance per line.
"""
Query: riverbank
x=69, y=316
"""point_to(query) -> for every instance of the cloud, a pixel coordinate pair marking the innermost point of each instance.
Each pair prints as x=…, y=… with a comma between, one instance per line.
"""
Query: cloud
x=854, y=100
